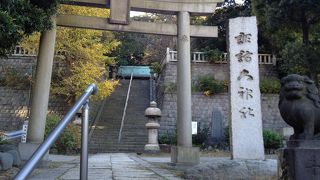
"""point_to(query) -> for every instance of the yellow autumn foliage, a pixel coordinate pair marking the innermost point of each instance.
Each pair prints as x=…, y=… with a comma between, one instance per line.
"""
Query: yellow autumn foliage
x=83, y=52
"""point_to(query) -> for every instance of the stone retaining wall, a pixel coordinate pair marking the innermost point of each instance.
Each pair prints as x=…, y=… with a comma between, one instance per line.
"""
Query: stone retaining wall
x=203, y=106
x=219, y=71
x=14, y=108
x=202, y=110
x=14, y=102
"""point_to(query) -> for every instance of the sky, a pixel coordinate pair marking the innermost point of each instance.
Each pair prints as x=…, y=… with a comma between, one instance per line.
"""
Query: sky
x=136, y=13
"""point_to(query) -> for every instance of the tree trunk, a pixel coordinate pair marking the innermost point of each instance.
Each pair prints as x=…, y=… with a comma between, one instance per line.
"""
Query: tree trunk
x=305, y=29
x=305, y=32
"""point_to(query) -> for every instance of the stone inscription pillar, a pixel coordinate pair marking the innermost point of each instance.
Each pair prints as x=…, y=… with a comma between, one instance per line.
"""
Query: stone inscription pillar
x=40, y=94
x=184, y=153
x=245, y=105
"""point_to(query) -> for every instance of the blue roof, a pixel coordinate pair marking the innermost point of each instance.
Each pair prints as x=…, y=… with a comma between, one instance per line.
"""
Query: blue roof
x=138, y=71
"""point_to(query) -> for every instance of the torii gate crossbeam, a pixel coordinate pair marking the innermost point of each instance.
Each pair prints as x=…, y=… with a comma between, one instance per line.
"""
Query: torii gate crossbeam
x=194, y=7
x=99, y=23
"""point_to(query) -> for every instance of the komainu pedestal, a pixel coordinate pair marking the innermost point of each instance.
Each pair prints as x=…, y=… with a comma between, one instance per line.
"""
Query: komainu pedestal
x=300, y=160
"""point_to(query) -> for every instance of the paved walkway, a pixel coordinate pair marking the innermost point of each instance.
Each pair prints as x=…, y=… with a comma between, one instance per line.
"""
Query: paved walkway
x=103, y=166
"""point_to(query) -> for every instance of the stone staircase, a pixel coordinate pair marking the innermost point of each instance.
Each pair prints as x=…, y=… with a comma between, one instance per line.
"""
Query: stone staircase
x=134, y=134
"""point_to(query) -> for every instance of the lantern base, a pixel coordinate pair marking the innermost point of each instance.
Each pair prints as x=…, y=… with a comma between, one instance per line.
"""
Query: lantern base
x=152, y=148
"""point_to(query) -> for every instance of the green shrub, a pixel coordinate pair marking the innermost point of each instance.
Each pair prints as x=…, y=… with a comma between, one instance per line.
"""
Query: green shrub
x=227, y=134
x=272, y=140
x=214, y=55
x=270, y=86
x=2, y=142
x=200, y=137
x=68, y=141
x=169, y=88
x=168, y=138
x=297, y=58
x=210, y=86
x=155, y=67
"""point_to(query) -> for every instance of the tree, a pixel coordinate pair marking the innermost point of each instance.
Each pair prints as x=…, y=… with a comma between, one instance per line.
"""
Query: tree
x=131, y=50
x=83, y=54
x=219, y=18
x=21, y=18
x=142, y=49
x=297, y=15
x=292, y=29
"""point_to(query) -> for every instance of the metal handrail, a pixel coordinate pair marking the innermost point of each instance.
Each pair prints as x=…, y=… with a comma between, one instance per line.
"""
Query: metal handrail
x=124, y=110
x=47, y=143
x=15, y=134
x=152, y=88
x=12, y=134
x=92, y=125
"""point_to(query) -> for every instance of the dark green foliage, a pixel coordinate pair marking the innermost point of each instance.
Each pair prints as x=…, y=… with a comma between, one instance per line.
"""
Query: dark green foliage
x=68, y=141
x=9, y=34
x=168, y=138
x=220, y=19
x=45, y=4
x=297, y=58
x=270, y=86
x=131, y=50
x=200, y=137
x=227, y=134
x=272, y=140
x=14, y=79
x=141, y=49
x=23, y=17
x=169, y=88
x=294, y=14
x=292, y=28
x=2, y=142
x=155, y=67
x=214, y=55
x=208, y=84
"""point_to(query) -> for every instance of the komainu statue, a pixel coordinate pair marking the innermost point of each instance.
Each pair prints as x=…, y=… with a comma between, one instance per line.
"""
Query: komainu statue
x=299, y=106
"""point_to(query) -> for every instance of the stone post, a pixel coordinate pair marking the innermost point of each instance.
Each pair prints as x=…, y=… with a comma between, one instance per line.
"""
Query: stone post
x=152, y=113
x=245, y=103
x=184, y=81
x=184, y=153
x=40, y=94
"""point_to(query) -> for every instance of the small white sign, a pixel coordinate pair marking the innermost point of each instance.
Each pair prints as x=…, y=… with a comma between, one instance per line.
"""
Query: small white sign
x=194, y=127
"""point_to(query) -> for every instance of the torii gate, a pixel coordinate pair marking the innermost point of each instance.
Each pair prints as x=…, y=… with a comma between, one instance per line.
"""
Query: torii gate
x=119, y=21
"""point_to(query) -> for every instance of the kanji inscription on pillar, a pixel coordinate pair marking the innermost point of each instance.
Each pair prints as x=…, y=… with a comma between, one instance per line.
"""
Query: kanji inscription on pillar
x=246, y=93
x=246, y=121
x=244, y=56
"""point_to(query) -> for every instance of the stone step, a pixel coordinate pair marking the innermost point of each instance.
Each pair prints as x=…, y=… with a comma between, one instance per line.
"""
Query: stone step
x=113, y=136
x=134, y=132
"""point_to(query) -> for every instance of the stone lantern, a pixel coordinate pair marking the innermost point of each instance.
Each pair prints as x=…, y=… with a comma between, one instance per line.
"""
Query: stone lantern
x=153, y=114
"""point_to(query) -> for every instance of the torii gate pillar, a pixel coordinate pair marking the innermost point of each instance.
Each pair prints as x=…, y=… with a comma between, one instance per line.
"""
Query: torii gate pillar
x=184, y=153
x=40, y=94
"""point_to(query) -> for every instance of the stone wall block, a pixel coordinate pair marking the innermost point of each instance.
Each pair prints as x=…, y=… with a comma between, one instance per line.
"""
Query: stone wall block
x=6, y=161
